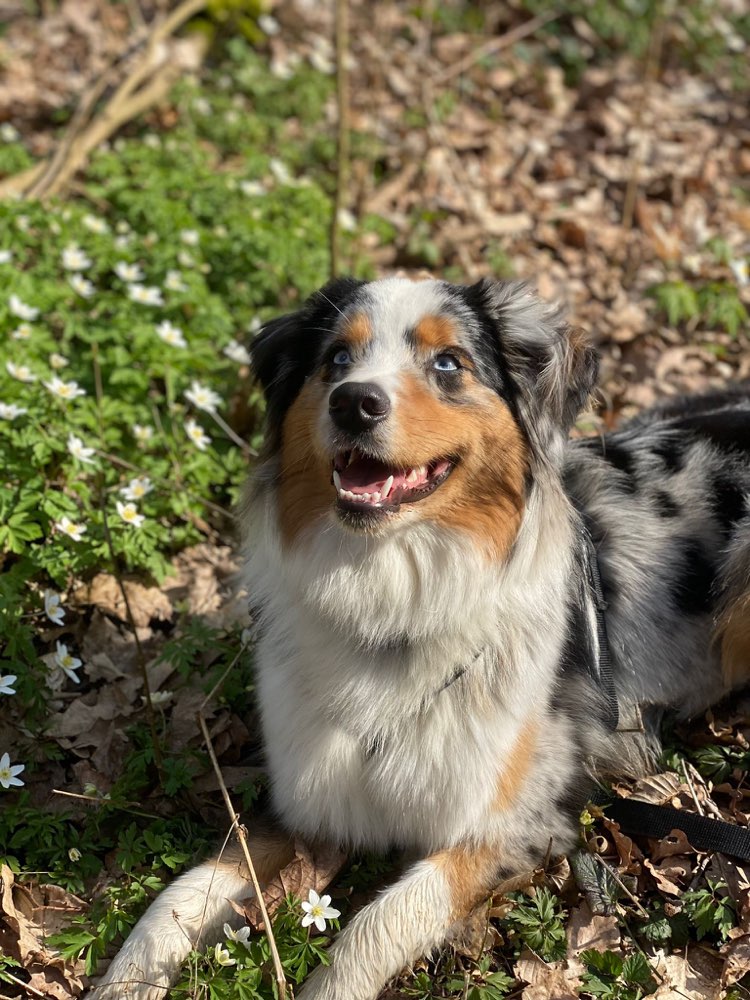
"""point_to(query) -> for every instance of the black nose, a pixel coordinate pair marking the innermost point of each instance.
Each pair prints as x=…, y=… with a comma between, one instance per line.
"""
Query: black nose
x=358, y=406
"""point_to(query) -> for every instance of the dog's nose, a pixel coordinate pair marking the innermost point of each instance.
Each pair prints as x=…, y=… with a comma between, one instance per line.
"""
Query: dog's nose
x=358, y=406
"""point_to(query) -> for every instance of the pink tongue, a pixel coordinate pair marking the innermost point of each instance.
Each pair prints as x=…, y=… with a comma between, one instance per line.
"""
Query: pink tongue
x=366, y=475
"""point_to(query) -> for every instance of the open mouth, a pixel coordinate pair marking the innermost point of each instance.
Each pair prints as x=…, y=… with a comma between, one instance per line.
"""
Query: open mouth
x=365, y=483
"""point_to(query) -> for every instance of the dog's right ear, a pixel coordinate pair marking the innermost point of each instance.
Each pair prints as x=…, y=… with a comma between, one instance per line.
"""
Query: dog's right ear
x=287, y=349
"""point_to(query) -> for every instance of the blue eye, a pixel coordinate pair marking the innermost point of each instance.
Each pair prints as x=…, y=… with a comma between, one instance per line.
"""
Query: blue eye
x=445, y=363
x=342, y=358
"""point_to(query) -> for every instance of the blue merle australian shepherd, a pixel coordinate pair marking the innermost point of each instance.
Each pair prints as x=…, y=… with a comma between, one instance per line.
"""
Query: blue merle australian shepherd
x=419, y=539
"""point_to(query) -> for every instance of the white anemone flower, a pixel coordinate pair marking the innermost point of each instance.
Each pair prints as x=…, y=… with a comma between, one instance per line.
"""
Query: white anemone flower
x=146, y=295
x=171, y=334
x=9, y=133
x=318, y=910
x=21, y=309
x=53, y=607
x=143, y=433
x=128, y=272
x=57, y=361
x=197, y=435
x=67, y=662
x=173, y=282
x=137, y=488
x=190, y=237
x=741, y=272
x=203, y=397
x=236, y=352
x=95, y=225
x=9, y=411
x=74, y=259
x=78, y=450
x=64, y=390
x=9, y=772
x=239, y=936
x=253, y=189
x=82, y=286
x=6, y=256
x=222, y=956
x=6, y=685
x=129, y=513
x=22, y=372
x=22, y=332
x=67, y=527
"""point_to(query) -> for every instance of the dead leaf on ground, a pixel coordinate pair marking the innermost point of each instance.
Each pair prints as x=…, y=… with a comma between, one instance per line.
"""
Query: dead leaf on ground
x=311, y=868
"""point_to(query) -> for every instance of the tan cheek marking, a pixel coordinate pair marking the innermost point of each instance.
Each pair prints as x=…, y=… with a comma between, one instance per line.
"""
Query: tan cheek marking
x=357, y=330
x=305, y=490
x=485, y=494
x=734, y=632
x=433, y=332
x=470, y=874
x=516, y=766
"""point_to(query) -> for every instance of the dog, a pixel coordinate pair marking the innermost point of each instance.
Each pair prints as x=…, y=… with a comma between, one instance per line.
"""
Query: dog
x=424, y=547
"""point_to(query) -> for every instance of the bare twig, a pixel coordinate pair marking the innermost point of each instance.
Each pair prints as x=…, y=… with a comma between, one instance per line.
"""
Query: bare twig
x=616, y=878
x=495, y=45
x=24, y=986
x=242, y=837
x=342, y=129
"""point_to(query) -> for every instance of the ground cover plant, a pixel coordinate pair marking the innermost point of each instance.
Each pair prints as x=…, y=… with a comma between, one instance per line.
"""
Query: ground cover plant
x=128, y=422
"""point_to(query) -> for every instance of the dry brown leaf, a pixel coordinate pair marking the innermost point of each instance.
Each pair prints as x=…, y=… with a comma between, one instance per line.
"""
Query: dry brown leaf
x=546, y=980
x=311, y=868
x=147, y=604
x=587, y=930
x=676, y=842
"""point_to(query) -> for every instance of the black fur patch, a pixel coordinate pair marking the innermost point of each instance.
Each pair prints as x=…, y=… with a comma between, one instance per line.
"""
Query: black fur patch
x=672, y=451
x=665, y=504
x=692, y=589
x=728, y=502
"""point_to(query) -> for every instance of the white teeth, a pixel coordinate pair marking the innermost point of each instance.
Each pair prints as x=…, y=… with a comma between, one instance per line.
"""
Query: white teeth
x=413, y=476
x=386, y=487
x=375, y=497
x=337, y=480
x=346, y=495
x=422, y=471
x=364, y=496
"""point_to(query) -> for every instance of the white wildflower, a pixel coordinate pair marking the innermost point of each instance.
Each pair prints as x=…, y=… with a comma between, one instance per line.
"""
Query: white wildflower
x=158, y=698
x=146, y=295
x=142, y=433
x=347, y=220
x=74, y=259
x=202, y=106
x=22, y=223
x=185, y=259
x=128, y=272
x=123, y=241
x=53, y=607
x=236, y=352
x=152, y=140
x=78, y=450
x=6, y=684
x=21, y=309
x=190, y=237
x=268, y=25
x=252, y=188
x=171, y=334
x=222, y=956
x=9, y=772
x=81, y=286
x=64, y=390
x=67, y=527
x=22, y=372
x=137, y=488
x=174, y=283
x=123, y=226
x=9, y=133
x=203, y=397
x=95, y=225
x=6, y=256
x=67, y=662
x=129, y=513
x=22, y=332
x=240, y=936
x=74, y=854
x=197, y=435
x=318, y=910
x=280, y=171
x=740, y=271
x=255, y=324
x=57, y=361
x=9, y=411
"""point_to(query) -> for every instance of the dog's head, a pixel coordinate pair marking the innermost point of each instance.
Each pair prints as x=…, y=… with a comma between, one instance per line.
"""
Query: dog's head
x=392, y=402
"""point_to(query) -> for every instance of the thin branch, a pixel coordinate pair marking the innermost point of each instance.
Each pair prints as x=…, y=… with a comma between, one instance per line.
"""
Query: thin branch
x=496, y=45
x=342, y=130
x=242, y=837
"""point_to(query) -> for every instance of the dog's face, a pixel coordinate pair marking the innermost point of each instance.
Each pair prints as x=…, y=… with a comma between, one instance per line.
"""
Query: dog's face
x=394, y=402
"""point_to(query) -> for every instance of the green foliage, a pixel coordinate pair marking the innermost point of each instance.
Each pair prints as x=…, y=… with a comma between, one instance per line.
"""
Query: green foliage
x=537, y=922
x=716, y=304
x=711, y=911
x=8, y=963
x=239, y=971
x=663, y=928
x=478, y=983
x=612, y=977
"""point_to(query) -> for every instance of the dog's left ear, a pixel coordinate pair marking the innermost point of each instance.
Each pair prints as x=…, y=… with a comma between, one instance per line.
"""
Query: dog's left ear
x=551, y=366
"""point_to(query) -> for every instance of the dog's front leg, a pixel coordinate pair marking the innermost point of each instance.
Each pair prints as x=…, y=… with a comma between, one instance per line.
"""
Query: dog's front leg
x=190, y=913
x=407, y=920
